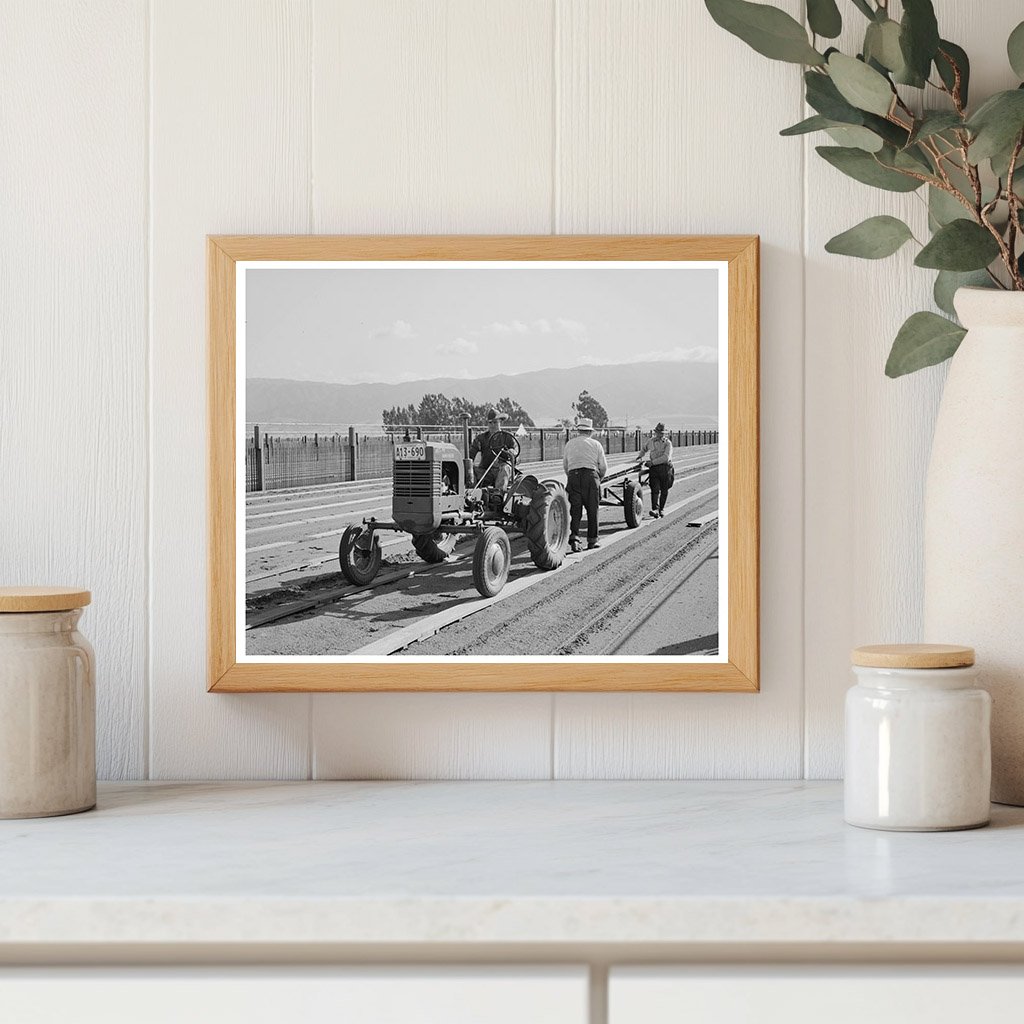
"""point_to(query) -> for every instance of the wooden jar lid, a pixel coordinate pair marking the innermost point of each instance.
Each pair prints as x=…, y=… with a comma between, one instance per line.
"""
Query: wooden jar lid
x=42, y=599
x=913, y=656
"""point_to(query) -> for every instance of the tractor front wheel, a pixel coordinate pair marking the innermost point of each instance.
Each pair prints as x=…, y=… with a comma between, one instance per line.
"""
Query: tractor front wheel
x=434, y=547
x=359, y=555
x=547, y=526
x=632, y=504
x=491, y=559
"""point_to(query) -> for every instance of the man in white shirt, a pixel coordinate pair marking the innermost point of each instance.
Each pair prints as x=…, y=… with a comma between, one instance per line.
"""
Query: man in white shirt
x=585, y=467
x=660, y=451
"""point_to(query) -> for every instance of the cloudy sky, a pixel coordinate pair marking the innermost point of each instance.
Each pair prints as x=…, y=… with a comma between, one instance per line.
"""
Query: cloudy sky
x=388, y=325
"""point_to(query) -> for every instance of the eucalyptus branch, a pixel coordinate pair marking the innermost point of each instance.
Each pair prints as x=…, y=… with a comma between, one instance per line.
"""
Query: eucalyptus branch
x=956, y=92
x=937, y=158
x=863, y=89
x=995, y=280
x=975, y=179
x=1004, y=251
x=1014, y=207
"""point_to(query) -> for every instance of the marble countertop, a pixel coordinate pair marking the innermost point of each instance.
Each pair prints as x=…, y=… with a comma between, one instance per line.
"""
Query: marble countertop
x=500, y=862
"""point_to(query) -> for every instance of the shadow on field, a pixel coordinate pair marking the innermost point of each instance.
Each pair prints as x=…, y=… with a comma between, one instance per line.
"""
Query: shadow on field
x=707, y=645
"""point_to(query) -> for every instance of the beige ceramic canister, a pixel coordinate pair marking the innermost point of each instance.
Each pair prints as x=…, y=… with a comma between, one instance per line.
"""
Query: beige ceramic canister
x=918, y=751
x=47, y=704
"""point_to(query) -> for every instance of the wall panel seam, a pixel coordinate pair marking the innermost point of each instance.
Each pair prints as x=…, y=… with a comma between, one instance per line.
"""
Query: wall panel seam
x=555, y=132
x=311, y=99
x=147, y=710
x=804, y=218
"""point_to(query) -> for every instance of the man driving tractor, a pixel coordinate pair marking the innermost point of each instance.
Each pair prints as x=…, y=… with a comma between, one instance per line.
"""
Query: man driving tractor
x=492, y=464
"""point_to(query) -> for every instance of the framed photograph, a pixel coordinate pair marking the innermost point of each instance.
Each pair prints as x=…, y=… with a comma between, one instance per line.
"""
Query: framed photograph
x=483, y=463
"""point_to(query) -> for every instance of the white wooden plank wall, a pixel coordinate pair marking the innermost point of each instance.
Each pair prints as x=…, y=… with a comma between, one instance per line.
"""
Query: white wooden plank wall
x=73, y=344
x=133, y=129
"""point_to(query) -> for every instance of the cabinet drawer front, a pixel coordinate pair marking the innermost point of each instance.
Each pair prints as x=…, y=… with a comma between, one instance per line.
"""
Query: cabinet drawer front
x=813, y=995
x=228, y=995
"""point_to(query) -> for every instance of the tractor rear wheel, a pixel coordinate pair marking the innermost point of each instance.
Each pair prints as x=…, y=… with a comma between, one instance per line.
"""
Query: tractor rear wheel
x=491, y=559
x=547, y=526
x=359, y=555
x=633, y=504
x=434, y=547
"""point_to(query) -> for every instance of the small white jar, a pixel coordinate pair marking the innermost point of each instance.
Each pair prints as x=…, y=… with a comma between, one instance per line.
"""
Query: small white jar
x=47, y=704
x=918, y=749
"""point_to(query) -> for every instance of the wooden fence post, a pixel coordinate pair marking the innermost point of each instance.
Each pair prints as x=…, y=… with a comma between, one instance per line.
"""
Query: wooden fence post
x=542, y=444
x=258, y=458
x=353, y=473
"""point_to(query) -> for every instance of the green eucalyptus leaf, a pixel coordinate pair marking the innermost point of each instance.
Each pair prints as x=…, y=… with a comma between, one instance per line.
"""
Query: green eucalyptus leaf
x=934, y=122
x=948, y=281
x=864, y=7
x=817, y=123
x=959, y=245
x=824, y=18
x=996, y=125
x=857, y=137
x=866, y=168
x=1001, y=161
x=912, y=158
x=944, y=208
x=825, y=98
x=882, y=44
x=861, y=86
x=871, y=136
x=872, y=239
x=1015, y=50
x=906, y=76
x=892, y=133
x=926, y=339
x=919, y=36
x=949, y=55
x=769, y=31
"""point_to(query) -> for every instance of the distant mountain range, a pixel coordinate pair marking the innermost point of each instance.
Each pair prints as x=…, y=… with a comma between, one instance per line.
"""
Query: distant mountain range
x=682, y=394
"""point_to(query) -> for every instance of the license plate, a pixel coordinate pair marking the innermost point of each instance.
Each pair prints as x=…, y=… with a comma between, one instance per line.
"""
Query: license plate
x=410, y=452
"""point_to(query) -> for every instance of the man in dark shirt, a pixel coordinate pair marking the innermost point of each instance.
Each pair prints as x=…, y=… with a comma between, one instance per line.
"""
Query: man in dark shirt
x=487, y=467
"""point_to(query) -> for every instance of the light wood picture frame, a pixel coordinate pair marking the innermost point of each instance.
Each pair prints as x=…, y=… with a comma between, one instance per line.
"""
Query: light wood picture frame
x=736, y=669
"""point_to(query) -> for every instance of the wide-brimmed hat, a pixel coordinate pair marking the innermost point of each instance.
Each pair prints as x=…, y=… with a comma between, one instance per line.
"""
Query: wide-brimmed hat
x=659, y=428
x=584, y=423
x=493, y=416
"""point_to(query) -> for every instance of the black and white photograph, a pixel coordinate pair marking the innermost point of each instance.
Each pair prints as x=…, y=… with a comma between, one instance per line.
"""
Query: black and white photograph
x=484, y=461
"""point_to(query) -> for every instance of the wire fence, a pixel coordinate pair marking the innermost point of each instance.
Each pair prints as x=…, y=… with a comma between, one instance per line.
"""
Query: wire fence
x=279, y=460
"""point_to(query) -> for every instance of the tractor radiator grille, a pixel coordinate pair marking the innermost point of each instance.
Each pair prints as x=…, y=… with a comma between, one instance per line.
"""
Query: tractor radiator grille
x=417, y=479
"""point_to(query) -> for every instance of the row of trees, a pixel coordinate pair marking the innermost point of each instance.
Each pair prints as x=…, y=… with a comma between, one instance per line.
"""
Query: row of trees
x=439, y=409
x=436, y=409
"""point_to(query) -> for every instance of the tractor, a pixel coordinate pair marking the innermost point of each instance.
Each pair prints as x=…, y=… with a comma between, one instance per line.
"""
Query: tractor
x=435, y=500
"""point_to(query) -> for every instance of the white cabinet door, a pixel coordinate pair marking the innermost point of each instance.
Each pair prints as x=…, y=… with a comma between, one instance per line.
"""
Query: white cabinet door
x=443, y=995
x=815, y=995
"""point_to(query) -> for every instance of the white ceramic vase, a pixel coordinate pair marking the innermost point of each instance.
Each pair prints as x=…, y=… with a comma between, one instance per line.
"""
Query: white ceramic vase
x=974, y=518
x=47, y=715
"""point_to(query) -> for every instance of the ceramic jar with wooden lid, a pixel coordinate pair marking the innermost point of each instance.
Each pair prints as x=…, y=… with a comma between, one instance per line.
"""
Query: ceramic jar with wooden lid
x=47, y=704
x=918, y=749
